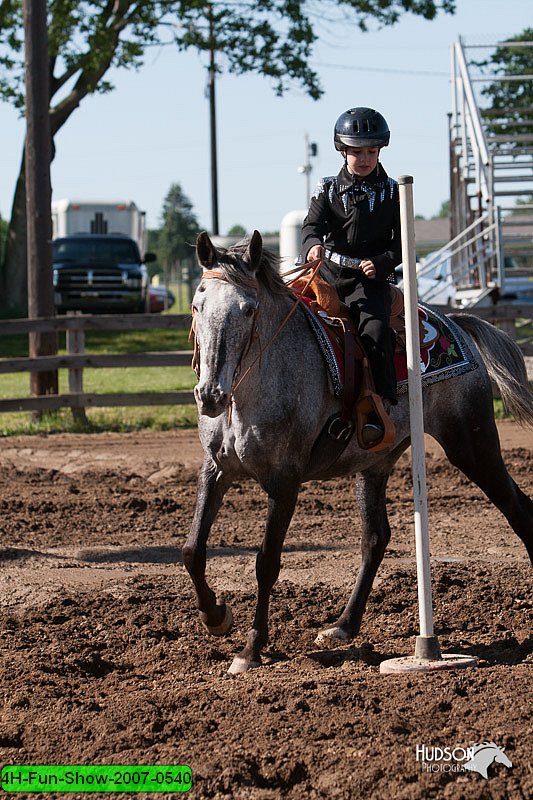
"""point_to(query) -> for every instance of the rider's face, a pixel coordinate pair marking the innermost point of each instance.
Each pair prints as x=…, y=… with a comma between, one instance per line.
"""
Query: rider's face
x=361, y=160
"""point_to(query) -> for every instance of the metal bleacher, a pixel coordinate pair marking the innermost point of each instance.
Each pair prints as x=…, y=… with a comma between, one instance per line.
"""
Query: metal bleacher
x=491, y=182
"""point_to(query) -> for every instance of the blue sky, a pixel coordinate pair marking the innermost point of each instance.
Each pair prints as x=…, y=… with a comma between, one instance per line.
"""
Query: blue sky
x=153, y=129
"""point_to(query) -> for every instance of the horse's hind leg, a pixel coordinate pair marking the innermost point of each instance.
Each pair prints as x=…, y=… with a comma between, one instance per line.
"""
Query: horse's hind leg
x=370, y=488
x=212, y=486
x=281, y=503
x=475, y=450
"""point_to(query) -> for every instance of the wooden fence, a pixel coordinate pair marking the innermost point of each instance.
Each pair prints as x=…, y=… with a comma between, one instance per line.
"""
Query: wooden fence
x=76, y=360
x=510, y=317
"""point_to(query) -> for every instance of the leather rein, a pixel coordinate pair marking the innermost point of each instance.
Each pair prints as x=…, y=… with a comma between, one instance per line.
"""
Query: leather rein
x=210, y=274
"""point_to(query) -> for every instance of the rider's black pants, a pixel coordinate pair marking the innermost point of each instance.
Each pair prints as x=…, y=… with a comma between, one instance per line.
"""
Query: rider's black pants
x=370, y=305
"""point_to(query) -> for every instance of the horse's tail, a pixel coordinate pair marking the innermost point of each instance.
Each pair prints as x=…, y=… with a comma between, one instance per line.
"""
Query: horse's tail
x=505, y=365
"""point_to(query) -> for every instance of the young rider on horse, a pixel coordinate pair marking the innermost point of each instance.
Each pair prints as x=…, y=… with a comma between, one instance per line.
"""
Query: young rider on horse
x=353, y=224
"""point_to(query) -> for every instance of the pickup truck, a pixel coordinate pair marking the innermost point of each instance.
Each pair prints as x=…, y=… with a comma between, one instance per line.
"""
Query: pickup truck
x=100, y=273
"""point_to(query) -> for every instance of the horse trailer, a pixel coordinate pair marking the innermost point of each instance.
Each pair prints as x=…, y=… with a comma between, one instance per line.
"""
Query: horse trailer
x=110, y=217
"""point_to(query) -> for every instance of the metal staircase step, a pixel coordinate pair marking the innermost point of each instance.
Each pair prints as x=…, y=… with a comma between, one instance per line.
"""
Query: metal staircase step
x=511, y=223
x=514, y=137
x=501, y=112
x=491, y=153
x=513, y=165
x=513, y=178
x=508, y=193
x=512, y=155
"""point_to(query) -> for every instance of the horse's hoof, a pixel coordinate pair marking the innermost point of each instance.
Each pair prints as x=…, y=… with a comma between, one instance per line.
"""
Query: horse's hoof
x=240, y=665
x=218, y=630
x=332, y=637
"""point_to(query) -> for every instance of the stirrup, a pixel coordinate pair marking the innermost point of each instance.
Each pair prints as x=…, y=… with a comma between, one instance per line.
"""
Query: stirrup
x=340, y=430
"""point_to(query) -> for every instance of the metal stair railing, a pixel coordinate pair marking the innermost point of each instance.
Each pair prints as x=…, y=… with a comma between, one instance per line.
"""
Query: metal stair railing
x=484, y=168
x=473, y=254
x=466, y=118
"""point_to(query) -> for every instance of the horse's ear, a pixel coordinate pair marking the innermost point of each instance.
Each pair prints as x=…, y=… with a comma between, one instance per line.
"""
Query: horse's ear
x=254, y=251
x=205, y=250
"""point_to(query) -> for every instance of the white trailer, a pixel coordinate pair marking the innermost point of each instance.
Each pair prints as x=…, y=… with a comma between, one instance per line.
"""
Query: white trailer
x=108, y=217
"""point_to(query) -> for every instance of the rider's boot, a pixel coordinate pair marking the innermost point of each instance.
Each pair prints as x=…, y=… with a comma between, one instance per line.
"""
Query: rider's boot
x=373, y=431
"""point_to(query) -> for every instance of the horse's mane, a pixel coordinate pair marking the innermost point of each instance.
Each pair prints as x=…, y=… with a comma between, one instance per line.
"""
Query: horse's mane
x=485, y=746
x=236, y=271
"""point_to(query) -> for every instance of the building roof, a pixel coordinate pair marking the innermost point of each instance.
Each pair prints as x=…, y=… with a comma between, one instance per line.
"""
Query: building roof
x=432, y=231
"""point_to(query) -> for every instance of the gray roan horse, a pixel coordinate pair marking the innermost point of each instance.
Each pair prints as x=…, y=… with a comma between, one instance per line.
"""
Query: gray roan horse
x=265, y=427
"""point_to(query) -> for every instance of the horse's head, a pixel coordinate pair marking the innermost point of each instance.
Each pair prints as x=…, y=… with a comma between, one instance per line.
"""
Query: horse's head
x=502, y=758
x=224, y=309
x=483, y=755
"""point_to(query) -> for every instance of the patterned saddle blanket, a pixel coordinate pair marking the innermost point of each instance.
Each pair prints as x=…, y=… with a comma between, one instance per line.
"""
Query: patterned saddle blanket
x=444, y=352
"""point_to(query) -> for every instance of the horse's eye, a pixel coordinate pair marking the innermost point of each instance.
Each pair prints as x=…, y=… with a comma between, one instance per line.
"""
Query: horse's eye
x=249, y=311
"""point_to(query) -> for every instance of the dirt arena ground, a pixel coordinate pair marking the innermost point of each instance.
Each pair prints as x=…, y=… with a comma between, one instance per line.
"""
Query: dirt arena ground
x=104, y=661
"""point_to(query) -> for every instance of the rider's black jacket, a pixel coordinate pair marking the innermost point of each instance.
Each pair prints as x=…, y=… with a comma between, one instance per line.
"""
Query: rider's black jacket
x=360, y=218
x=357, y=217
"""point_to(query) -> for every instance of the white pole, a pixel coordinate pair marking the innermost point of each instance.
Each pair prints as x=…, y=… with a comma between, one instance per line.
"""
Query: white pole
x=307, y=168
x=416, y=412
x=427, y=655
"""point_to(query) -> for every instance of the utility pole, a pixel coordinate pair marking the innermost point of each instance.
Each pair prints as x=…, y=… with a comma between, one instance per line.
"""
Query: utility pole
x=310, y=149
x=213, y=124
x=38, y=152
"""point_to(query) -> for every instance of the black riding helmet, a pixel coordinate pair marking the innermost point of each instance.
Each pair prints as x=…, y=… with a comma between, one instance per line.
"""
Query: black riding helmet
x=361, y=127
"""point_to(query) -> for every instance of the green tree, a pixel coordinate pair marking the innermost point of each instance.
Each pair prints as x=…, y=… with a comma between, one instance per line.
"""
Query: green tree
x=444, y=210
x=509, y=102
x=237, y=230
x=179, y=229
x=3, y=236
x=271, y=37
x=177, y=237
x=152, y=245
x=524, y=201
x=85, y=40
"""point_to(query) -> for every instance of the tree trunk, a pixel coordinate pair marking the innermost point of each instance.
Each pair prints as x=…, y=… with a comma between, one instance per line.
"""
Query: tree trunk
x=13, y=272
x=14, y=297
x=38, y=156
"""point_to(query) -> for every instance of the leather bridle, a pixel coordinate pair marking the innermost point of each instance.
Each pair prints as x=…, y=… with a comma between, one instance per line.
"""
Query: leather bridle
x=311, y=267
x=249, y=283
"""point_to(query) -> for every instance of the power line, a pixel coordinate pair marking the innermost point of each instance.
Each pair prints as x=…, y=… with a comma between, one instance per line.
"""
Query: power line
x=391, y=70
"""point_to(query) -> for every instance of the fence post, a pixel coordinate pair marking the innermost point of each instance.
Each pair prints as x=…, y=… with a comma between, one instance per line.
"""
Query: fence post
x=75, y=341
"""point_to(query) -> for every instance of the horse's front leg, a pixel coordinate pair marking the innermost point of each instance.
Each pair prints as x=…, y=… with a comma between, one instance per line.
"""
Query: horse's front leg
x=371, y=495
x=281, y=504
x=212, y=486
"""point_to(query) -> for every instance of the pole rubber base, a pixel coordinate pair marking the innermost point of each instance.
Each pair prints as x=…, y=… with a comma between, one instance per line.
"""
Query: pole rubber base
x=395, y=666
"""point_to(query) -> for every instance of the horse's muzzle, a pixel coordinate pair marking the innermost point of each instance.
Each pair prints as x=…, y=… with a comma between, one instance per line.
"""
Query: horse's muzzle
x=212, y=401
